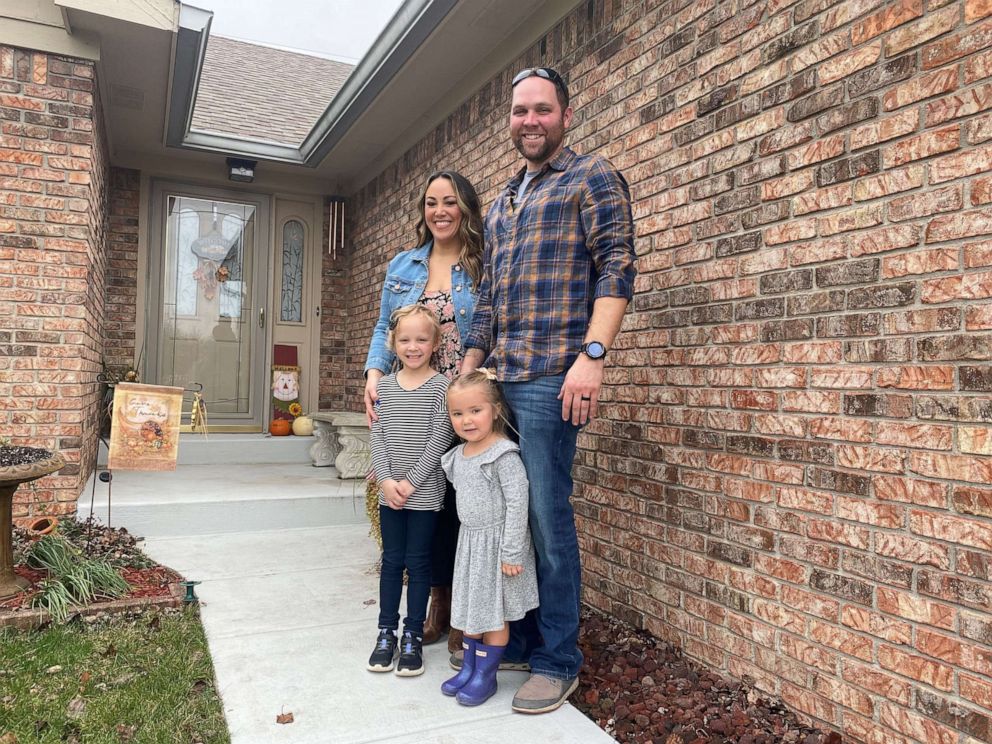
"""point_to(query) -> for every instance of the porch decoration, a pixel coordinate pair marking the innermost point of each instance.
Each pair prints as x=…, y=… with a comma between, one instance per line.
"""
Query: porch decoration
x=198, y=415
x=303, y=426
x=18, y=465
x=285, y=383
x=279, y=428
x=211, y=250
x=144, y=432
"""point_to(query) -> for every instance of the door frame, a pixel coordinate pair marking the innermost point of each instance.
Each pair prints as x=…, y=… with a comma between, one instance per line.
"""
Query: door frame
x=161, y=189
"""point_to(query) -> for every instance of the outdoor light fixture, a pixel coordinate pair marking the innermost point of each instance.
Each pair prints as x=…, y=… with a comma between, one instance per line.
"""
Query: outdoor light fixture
x=241, y=170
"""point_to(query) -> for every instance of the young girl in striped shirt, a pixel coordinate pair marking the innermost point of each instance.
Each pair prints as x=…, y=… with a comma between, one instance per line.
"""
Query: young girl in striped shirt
x=412, y=433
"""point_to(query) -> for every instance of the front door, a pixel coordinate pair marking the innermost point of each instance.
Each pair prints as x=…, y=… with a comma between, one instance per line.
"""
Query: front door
x=208, y=297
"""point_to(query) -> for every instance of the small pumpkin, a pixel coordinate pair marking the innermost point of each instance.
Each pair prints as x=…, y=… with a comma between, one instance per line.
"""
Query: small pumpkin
x=303, y=426
x=279, y=428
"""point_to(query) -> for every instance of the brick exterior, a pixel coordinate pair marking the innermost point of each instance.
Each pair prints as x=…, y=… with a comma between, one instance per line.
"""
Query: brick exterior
x=53, y=207
x=791, y=476
x=122, y=269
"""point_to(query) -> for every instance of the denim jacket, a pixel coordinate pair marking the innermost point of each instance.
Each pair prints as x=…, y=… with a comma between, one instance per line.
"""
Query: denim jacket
x=405, y=280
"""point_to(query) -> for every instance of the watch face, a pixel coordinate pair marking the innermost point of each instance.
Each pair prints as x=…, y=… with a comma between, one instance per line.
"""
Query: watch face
x=595, y=350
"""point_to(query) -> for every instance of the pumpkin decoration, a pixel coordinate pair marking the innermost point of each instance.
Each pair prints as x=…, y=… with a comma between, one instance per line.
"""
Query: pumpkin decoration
x=279, y=428
x=303, y=426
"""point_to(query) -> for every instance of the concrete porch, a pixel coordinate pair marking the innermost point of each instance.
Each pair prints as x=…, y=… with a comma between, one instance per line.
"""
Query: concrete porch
x=289, y=601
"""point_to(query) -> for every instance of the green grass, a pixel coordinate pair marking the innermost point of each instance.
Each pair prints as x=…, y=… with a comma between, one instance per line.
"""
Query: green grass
x=93, y=683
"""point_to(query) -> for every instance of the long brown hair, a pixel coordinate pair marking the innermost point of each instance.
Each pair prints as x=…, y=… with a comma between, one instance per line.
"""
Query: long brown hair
x=470, y=230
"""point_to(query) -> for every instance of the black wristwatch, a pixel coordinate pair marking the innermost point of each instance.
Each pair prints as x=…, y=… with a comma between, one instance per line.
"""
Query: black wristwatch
x=593, y=350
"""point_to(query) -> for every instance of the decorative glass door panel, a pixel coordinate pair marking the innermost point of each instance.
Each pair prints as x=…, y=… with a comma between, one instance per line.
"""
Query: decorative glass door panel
x=210, y=322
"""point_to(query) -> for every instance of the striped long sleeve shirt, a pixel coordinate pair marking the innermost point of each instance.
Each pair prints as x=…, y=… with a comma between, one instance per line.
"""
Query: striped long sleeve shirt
x=412, y=433
x=569, y=241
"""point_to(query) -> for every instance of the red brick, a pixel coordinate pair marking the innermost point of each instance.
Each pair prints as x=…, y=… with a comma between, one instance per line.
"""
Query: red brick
x=915, y=667
x=841, y=428
x=890, y=17
x=922, y=146
x=914, y=551
x=917, y=378
x=932, y=25
x=869, y=458
x=975, y=440
x=976, y=690
x=928, y=261
x=959, y=165
x=914, y=726
x=914, y=608
x=890, y=182
x=960, y=45
x=975, y=10
x=952, y=529
x=951, y=467
x=884, y=129
x=927, y=86
x=960, y=225
x=977, y=501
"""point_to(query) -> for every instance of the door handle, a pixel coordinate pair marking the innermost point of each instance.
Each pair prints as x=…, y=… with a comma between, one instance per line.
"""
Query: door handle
x=261, y=317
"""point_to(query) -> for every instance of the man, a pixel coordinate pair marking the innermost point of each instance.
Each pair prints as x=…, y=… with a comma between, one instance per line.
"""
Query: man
x=558, y=274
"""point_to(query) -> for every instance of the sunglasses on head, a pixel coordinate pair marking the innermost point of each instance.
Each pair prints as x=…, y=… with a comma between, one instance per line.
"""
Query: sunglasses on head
x=542, y=72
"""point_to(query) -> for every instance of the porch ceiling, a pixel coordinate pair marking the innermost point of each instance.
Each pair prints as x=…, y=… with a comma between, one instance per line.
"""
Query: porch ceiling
x=431, y=58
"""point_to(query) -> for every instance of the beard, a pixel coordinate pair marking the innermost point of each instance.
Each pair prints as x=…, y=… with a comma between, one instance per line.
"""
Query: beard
x=552, y=141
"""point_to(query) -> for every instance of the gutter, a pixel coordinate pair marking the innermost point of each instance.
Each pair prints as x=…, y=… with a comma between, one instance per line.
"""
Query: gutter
x=402, y=37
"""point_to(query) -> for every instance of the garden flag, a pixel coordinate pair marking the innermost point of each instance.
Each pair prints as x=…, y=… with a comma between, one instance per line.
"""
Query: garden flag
x=144, y=428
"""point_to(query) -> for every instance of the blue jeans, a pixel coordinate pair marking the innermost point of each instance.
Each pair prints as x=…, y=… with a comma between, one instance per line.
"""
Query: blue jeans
x=406, y=543
x=548, y=635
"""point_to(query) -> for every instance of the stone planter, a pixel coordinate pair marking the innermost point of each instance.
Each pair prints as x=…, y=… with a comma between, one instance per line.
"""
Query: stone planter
x=18, y=465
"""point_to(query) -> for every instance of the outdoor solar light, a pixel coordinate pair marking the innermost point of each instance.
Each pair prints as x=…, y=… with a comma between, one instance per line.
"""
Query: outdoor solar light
x=241, y=170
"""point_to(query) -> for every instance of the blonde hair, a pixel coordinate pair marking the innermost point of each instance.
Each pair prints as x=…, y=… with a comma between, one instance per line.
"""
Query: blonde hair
x=409, y=311
x=486, y=379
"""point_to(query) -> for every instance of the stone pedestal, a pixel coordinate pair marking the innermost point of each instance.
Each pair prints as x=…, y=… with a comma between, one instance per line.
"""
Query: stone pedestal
x=31, y=464
x=355, y=458
x=325, y=447
x=342, y=440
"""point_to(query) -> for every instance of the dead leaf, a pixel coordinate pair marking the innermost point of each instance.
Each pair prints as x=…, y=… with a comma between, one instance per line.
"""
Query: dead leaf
x=8, y=738
x=368, y=602
x=154, y=623
x=284, y=718
x=111, y=650
x=76, y=708
x=126, y=733
x=40, y=727
x=84, y=679
x=199, y=686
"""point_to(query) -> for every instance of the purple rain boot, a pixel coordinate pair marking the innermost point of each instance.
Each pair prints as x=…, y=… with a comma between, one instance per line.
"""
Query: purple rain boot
x=450, y=686
x=482, y=686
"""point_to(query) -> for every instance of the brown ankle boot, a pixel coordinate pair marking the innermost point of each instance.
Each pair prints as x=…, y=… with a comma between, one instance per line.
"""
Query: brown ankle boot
x=438, y=615
x=454, y=641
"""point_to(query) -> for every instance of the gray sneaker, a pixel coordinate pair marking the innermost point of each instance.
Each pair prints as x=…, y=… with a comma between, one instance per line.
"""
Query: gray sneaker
x=455, y=662
x=541, y=694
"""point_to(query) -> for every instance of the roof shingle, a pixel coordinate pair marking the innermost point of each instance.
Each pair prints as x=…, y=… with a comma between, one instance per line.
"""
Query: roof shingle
x=263, y=93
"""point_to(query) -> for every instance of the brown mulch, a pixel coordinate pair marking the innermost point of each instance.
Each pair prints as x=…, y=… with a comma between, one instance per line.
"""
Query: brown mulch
x=640, y=689
x=112, y=544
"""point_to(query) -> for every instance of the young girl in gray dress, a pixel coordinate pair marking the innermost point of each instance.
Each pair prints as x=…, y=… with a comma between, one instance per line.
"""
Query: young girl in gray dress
x=495, y=579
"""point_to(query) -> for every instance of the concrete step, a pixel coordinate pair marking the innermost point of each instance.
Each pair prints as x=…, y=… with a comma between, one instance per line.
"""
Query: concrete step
x=224, y=498
x=195, y=449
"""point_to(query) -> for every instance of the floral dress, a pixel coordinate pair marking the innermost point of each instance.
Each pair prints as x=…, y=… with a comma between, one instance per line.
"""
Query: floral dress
x=448, y=358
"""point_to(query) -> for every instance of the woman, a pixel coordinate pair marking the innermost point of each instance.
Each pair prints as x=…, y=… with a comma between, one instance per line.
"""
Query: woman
x=443, y=272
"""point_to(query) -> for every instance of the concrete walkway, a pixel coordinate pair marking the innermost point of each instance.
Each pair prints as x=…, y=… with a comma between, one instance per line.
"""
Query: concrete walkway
x=290, y=612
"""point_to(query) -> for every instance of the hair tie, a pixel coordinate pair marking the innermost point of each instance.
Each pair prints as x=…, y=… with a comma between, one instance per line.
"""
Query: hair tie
x=490, y=374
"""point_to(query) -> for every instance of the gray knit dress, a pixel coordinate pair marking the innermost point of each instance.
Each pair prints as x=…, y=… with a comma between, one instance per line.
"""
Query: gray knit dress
x=491, y=492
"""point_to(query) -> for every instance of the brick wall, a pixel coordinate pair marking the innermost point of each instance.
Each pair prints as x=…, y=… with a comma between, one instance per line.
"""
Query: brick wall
x=791, y=476
x=122, y=269
x=53, y=172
